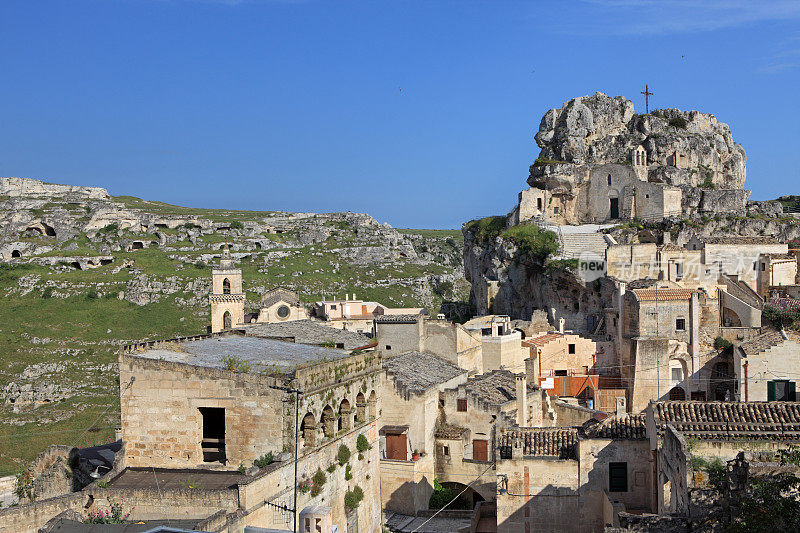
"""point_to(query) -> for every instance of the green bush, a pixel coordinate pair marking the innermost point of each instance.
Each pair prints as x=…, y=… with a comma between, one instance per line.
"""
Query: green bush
x=234, y=364
x=343, y=455
x=47, y=293
x=110, y=228
x=441, y=495
x=678, y=122
x=236, y=225
x=353, y=497
x=362, y=444
x=348, y=473
x=91, y=295
x=200, y=265
x=486, y=229
x=533, y=240
x=722, y=344
x=331, y=468
x=544, y=161
x=264, y=460
x=317, y=482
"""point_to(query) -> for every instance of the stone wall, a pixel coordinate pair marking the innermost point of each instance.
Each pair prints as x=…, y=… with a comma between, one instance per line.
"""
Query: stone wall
x=776, y=363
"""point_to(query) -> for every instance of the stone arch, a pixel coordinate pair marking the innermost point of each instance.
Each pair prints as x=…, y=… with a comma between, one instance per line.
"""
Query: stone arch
x=372, y=405
x=361, y=407
x=308, y=428
x=15, y=253
x=521, y=332
x=345, y=416
x=468, y=497
x=227, y=321
x=328, y=421
x=677, y=394
x=730, y=319
x=137, y=245
x=226, y=286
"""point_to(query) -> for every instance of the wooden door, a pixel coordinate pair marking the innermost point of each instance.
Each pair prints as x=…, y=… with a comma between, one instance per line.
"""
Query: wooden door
x=480, y=450
x=396, y=447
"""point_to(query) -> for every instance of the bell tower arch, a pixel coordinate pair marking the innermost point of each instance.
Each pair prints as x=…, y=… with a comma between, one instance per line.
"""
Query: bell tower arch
x=227, y=296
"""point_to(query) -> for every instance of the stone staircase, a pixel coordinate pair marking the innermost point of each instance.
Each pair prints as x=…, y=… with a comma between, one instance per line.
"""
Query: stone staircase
x=572, y=245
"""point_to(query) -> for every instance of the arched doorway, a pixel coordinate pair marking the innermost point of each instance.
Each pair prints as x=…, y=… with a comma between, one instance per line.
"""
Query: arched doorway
x=445, y=492
x=344, y=415
x=226, y=320
x=361, y=408
x=15, y=253
x=308, y=428
x=677, y=394
x=372, y=405
x=328, y=421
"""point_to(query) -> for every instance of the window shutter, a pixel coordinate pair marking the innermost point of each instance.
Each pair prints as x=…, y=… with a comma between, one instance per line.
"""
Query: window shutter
x=770, y=391
x=791, y=395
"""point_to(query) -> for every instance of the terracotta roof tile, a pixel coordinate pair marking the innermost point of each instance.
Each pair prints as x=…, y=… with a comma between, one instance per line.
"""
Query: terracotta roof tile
x=618, y=427
x=761, y=342
x=663, y=295
x=730, y=420
x=544, y=339
x=545, y=442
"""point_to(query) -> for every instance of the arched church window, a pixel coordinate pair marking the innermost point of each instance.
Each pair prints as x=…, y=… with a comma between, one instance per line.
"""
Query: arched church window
x=226, y=286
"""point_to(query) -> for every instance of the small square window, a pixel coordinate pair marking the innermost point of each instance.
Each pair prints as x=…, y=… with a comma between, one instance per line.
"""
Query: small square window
x=333, y=307
x=571, y=348
x=461, y=405
x=388, y=347
x=677, y=374
x=555, y=210
x=680, y=324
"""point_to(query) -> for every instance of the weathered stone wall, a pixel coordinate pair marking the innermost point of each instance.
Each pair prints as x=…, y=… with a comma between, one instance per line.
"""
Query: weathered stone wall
x=776, y=363
x=162, y=424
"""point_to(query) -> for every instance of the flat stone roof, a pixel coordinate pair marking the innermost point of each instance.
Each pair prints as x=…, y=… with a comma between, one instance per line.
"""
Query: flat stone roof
x=416, y=372
x=145, y=478
x=308, y=332
x=262, y=354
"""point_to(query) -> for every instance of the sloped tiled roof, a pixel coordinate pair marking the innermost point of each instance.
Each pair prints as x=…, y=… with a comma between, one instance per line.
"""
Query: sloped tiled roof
x=618, y=427
x=416, y=372
x=541, y=340
x=762, y=342
x=398, y=319
x=544, y=442
x=276, y=295
x=730, y=420
x=496, y=387
x=449, y=432
x=663, y=295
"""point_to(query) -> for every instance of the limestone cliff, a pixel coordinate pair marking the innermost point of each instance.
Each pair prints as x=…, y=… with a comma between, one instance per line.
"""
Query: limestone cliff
x=596, y=130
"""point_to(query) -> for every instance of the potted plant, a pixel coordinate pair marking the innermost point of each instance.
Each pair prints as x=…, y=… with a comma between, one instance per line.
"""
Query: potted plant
x=415, y=455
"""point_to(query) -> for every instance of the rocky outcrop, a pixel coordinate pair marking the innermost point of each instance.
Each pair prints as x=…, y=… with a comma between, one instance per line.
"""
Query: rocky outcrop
x=507, y=281
x=37, y=188
x=683, y=147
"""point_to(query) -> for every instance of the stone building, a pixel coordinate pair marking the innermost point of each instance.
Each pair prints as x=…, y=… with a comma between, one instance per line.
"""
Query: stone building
x=660, y=342
x=281, y=305
x=767, y=367
x=357, y=315
x=775, y=271
x=718, y=430
x=736, y=255
x=410, y=408
x=227, y=297
x=572, y=479
x=217, y=403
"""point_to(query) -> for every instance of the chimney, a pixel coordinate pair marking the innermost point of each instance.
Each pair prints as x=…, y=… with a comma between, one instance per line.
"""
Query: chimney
x=354, y=296
x=522, y=400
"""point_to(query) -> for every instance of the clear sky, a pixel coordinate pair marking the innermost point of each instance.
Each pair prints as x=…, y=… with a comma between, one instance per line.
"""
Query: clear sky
x=419, y=112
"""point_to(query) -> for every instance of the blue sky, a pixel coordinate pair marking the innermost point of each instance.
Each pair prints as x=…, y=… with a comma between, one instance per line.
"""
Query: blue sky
x=419, y=112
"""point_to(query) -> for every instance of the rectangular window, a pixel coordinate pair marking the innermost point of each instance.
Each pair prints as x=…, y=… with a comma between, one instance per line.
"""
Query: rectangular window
x=333, y=307
x=680, y=324
x=571, y=348
x=677, y=374
x=618, y=477
x=555, y=210
x=763, y=267
x=461, y=405
x=446, y=451
x=388, y=347
x=781, y=390
x=561, y=372
x=539, y=204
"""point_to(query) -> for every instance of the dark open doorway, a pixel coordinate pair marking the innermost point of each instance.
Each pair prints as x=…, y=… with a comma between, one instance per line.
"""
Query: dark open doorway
x=213, y=443
x=614, y=207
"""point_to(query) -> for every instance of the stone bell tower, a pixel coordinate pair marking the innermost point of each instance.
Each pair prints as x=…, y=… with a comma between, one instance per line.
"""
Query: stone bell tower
x=227, y=297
